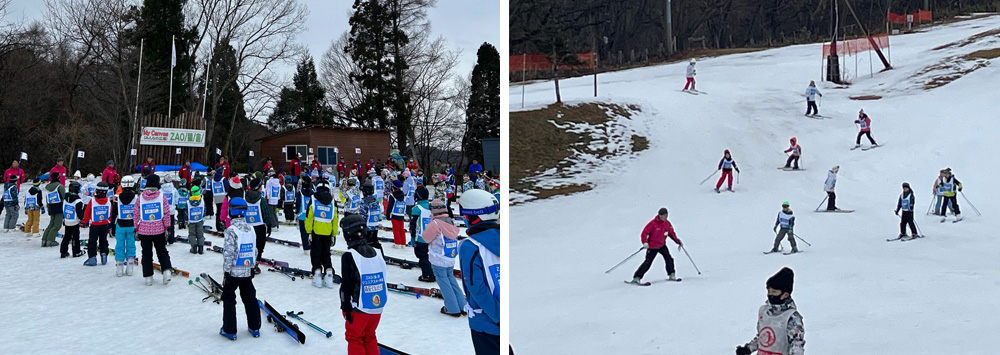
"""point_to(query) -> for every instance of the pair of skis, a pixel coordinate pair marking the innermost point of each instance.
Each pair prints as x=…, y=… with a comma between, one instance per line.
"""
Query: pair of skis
x=174, y=271
x=905, y=239
x=648, y=283
x=782, y=253
x=865, y=149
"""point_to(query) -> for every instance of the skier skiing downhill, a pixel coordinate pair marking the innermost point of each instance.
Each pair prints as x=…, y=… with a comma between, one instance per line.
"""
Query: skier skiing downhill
x=786, y=221
x=866, y=129
x=905, y=203
x=811, y=93
x=948, y=185
x=239, y=257
x=938, y=193
x=690, y=75
x=796, y=150
x=779, y=325
x=727, y=164
x=654, y=240
x=829, y=186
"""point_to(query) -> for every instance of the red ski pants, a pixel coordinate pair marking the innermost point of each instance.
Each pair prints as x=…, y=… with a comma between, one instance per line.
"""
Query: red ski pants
x=398, y=233
x=690, y=81
x=360, y=334
x=725, y=174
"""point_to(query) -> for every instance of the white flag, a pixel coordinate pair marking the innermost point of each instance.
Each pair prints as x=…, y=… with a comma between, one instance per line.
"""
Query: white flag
x=251, y=153
x=218, y=151
x=173, y=53
x=284, y=149
x=335, y=150
x=133, y=151
x=357, y=150
x=310, y=150
x=79, y=154
x=178, y=150
x=24, y=156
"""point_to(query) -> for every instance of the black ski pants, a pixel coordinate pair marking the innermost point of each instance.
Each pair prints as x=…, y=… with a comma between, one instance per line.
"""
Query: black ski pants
x=485, y=343
x=951, y=201
x=289, y=212
x=220, y=226
x=650, y=256
x=148, y=243
x=865, y=133
x=831, y=200
x=320, y=253
x=421, y=251
x=261, y=232
x=788, y=163
x=248, y=295
x=98, y=239
x=811, y=107
x=72, y=236
x=907, y=219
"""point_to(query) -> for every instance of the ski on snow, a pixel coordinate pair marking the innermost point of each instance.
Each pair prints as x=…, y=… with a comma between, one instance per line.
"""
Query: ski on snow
x=790, y=169
x=281, y=323
x=835, y=211
x=872, y=147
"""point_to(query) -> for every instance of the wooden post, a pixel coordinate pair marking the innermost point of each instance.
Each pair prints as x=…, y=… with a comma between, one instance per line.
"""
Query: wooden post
x=885, y=62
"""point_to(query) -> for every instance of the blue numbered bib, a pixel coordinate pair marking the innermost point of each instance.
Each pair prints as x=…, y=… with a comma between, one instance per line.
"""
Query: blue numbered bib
x=170, y=197
x=324, y=211
x=373, y=290
x=31, y=201
x=6, y=195
x=196, y=212
x=152, y=211
x=355, y=201
x=289, y=196
x=69, y=212
x=182, y=203
x=494, y=271
x=398, y=208
x=54, y=197
x=253, y=214
x=379, y=185
x=245, y=255
x=217, y=188
x=372, y=218
x=126, y=211
x=101, y=213
x=142, y=184
x=450, y=248
x=905, y=203
x=275, y=192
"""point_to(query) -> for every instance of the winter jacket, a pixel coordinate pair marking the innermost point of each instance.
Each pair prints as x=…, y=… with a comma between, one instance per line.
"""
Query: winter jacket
x=475, y=168
x=831, y=181
x=265, y=209
x=795, y=149
x=150, y=166
x=811, y=93
x=40, y=201
x=223, y=168
x=350, y=283
x=440, y=191
x=230, y=194
x=185, y=173
x=54, y=208
x=865, y=122
x=690, y=70
x=791, y=219
x=795, y=331
x=126, y=197
x=231, y=248
x=182, y=198
x=295, y=167
x=62, y=173
x=485, y=316
x=905, y=196
x=937, y=186
x=346, y=200
x=369, y=206
x=88, y=217
x=10, y=197
x=170, y=193
x=151, y=228
x=409, y=185
x=440, y=226
x=108, y=175
x=14, y=172
x=304, y=196
x=731, y=164
x=396, y=196
x=218, y=198
x=75, y=201
x=322, y=228
x=273, y=183
x=949, y=185
x=655, y=233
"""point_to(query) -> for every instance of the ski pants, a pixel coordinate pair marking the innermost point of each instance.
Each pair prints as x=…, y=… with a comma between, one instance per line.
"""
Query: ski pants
x=421, y=251
x=289, y=212
x=907, y=219
x=360, y=333
x=304, y=235
x=209, y=206
x=788, y=163
x=690, y=81
x=650, y=256
x=811, y=107
x=950, y=201
x=148, y=243
x=181, y=218
x=454, y=297
x=937, y=204
x=219, y=223
x=72, y=236
x=248, y=295
x=398, y=232
x=170, y=232
x=33, y=221
x=196, y=233
x=53, y=228
x=831, y=200
x=10, y=221
x=865, y=133
x=320, y=253
x=98, y=239
x=726, y=173
x=261, y=232
x=485, y=343
x=124, y=243
x=782, y=232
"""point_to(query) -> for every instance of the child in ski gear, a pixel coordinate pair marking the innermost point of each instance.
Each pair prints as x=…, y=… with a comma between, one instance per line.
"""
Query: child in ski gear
x=654, y=240
x=54, y=194
x=259, y=217
x=98, y=216
x=938, y=193
x=273, y=190
x=395, y=213
x=124, y=231
x=321, y=225
x=948, y=186
x=220, y=188
x=467, y=184
x=183, y=194
x=480, y=264
x=442, y=235
x=303, y=197
x=905, y=203
x=196, y=221
x=236, y=189
x=71, y=212
x=352, y=197
x=370, y=211
x=811, y=93
x=420, y=217
x=151, y=229
x=727, y=164
x=829, y=186
x=866, y=129
x=779, y=324
x=10, y=203
x=288, y=199
x=690, y=73
x=796, y=152
x=170, y=194
x=239, y=257
x=362, y=289
x=33, y=207
x=787, y=221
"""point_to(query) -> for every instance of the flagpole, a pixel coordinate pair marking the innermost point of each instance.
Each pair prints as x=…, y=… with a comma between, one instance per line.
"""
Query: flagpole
x=173, y=59
x=204, y=97
x=135, y=118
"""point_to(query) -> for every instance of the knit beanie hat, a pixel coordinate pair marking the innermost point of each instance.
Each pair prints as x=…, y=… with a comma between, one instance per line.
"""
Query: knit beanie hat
x=438, y=208
x=397, y=184
x=235, y=183
x=421, y=193
x=54, y=177
x=195, y=192
x=782, y=280
x=153, y=181
x=254, y=184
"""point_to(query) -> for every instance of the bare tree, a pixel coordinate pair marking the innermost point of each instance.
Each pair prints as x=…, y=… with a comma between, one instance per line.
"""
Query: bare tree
x=334, y=73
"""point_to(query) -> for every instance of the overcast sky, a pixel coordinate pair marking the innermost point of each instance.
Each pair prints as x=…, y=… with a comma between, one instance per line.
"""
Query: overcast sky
x=465, y=24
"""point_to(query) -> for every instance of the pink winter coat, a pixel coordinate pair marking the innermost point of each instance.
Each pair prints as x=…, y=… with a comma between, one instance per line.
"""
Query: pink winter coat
x=108, y=175
x=656, y=231
x=62, y=173
x=152, y=228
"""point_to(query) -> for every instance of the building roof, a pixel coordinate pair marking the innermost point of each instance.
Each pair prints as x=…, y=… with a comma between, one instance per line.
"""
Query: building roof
x=319, y=126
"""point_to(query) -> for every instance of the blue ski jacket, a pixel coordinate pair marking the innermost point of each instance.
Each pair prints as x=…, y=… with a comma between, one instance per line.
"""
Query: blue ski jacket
x=477, y=290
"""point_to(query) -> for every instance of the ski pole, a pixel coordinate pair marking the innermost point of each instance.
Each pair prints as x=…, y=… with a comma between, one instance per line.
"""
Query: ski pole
x=918, y=228
x=709, y=177
x=623, y=261
x=970, y=204
x=737, y=178
x=821, y=203
x=692, y=260
x=318, y=329
x=405, y=293
x=803, y=240
x=930, y=208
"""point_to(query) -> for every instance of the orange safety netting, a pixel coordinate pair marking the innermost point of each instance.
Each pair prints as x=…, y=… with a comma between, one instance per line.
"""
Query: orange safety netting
x=521, y=62
x=920, y=16
x=854, y=46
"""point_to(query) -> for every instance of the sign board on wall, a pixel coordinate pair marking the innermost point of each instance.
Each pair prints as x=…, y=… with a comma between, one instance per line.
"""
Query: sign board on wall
x=172, y=136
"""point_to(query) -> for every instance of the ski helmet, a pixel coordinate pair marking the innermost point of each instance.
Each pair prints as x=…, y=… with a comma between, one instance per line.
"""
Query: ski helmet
x=74, y=187
x=102, y=189
x=479, y=203
x=792, y=140
x=128, y=182
x=237, y=207
x=352, y=226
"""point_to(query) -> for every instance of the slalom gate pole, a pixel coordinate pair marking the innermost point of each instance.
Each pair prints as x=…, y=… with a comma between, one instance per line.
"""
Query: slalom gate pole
x=970, y=204
x=623, y=261
x=692, y=260
x=709, y=177
x=803, y=240
x=821, y=203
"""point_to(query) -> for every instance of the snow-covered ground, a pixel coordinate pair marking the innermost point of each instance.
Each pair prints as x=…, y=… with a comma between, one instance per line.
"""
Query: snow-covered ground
x=857, y=293
x=59, y=306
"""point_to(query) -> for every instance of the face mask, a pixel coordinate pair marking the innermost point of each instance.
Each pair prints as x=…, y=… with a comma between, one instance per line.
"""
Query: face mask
x=775, y=299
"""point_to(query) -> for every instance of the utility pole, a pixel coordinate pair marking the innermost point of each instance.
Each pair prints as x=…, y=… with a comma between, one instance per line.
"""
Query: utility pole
x=670, y=31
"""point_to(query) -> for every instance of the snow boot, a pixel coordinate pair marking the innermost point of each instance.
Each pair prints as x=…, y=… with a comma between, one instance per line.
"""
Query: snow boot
x=119, y=269
x=104, y=259
x=328, y=279
x=63, y=255
x=958, y=218
x=672, y=277
x=149, y=281
x=635, y=280
x=229, y=336
x=795, y=250
x=201, y=249
x=426, y=278
x=716, y=190
x=444, y=310
x=193, y=250
x=166, y=276
x=90, y=262
x=256, y=270
x=730, y=189
x=255, y=333
x=79, y=254
x=317, y=279
x=129, y=263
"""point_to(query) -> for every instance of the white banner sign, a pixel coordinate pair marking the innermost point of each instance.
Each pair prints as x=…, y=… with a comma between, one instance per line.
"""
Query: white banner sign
x=218, y=151
x=310, y=150
x=357, y=150
x=24, y=156
x=251, y=153
x=335, y=150
x=172, y=136
x=79, y=154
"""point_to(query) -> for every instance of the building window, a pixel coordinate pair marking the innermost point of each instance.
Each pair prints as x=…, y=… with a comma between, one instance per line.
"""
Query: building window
x=291, y=150
x=326, y=156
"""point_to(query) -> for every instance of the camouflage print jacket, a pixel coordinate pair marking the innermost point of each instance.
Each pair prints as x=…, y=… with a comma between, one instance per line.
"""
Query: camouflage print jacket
x=796, y=331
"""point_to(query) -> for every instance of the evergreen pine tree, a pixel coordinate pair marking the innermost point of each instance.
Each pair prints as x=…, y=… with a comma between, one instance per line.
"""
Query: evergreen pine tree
x=156, y=22
x=304, y=103
x=483, y=111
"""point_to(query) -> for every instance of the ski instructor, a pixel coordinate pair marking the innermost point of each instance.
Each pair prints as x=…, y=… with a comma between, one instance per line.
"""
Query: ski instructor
x=654, y=240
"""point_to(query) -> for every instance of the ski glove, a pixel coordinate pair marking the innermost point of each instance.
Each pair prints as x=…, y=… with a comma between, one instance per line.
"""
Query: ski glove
x=348, y=317
x=645, y=245
x=742, y=350
x=775, y=229
x=897, y=212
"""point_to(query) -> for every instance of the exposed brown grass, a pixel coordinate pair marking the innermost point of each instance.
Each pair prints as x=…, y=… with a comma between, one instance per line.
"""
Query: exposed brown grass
x=866, y=97
x=983, y=54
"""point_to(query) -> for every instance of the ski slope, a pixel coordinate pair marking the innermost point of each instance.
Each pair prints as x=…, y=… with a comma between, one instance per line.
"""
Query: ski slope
x=59, y=306
x=857, y=293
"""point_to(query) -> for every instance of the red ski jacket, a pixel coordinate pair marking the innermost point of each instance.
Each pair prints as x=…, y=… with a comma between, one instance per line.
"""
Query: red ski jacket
x=656, y=231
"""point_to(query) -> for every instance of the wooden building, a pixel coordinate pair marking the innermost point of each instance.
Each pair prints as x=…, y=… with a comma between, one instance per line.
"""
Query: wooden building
x=328, y=144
